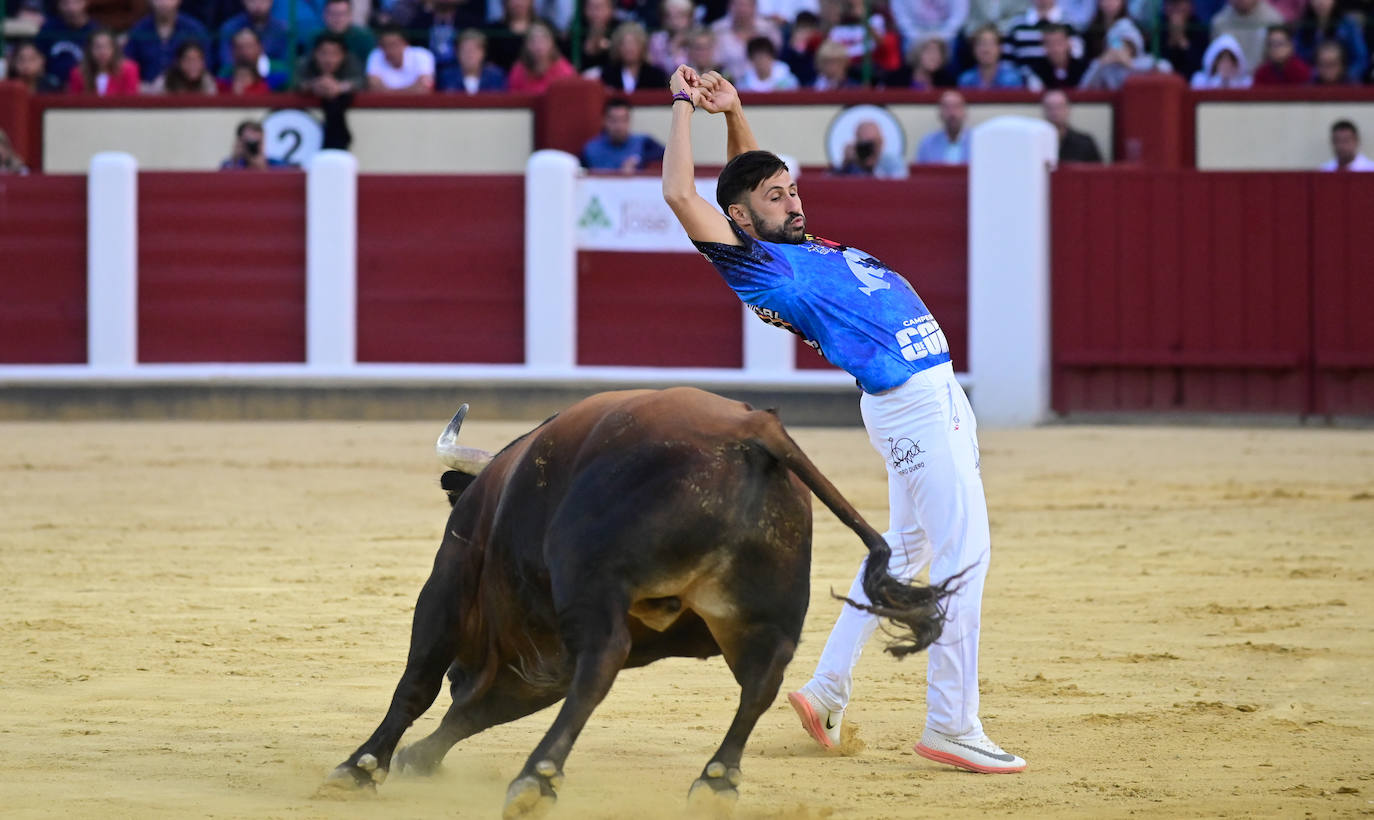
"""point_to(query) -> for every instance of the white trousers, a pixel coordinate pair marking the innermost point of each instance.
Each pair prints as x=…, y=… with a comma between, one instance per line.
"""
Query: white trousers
x=938, y=515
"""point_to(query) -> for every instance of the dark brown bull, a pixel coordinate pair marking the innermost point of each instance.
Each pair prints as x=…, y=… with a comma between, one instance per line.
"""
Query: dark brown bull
x=635, y=526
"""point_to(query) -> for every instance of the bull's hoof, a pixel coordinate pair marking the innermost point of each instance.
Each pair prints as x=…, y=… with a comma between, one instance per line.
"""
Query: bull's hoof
x=364, y=774
x=529, y=797
x=414, y=761
x=715, y=793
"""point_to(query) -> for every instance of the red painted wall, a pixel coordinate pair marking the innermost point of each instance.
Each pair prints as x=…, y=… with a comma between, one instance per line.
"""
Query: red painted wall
x=221, y=267
x=42, y=270
x=1343, y=270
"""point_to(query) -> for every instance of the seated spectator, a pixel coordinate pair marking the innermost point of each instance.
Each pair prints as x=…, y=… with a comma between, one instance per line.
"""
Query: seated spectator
x=615, y=148
x=701, y=51
x=1223, y=66
x=244, y=81
x=504, y=40
x=395, y=65
x=472, y=73
x=950, y=144
x=153, y=41
x=1105, y=15
x=930, y=67
x=919, y=21
x=1025, y=45
x=62, y=39
x=188, y=74
x=832, y=68
x=629, y=67
x=257, y=15
x=1059, y=69
x=333, y=75
x=766, y=72
x=864, y=156
x=338, y=19
x=1320, y=22
x=10, y=161
x=1281, y=66
x=668, y=46
x=248, y=153
x=860, y=34
x=1074, y=146
x=1247, y=21
x=1331, y=68
x=989, y=69
x=1184, y=39
x=27, y=66
x=734, y=31
x=598, y=21
x=540, y=62
x=444, y=20
x=1345, y=146
x=103, y=70
x=799, y=52
x=1125, y=57
x=246, y=53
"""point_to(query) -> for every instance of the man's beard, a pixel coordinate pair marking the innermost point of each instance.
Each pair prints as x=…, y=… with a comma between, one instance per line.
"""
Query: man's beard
x=783, y=232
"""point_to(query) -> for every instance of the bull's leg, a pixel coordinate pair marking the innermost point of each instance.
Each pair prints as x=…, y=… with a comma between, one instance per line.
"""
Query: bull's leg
x=758, y=655
x=433, y=644
x=598, y=640
x=508, y=699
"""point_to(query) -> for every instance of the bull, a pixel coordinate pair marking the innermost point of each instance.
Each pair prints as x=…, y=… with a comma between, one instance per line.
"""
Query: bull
x=636, y=525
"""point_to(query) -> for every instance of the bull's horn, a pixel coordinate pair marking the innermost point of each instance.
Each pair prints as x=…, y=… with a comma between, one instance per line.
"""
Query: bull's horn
x=468, y=460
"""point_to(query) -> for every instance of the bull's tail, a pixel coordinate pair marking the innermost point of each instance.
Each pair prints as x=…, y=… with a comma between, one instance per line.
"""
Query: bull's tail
x=917, y=609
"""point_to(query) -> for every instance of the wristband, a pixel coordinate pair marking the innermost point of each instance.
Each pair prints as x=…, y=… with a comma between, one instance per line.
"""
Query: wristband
x=685, y=97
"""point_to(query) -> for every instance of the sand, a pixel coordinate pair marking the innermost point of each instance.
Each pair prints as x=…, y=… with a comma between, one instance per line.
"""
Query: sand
x=203, y=619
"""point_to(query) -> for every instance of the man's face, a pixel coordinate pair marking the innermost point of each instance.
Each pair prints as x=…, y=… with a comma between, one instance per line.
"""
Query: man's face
x=868, y=143
x=952, y=111
x=1057, y=48
x=28, y=62
x=247, y=49
x=833, y=67
x=393, y=48
x=616, y=121
x=743, y=9
x=258, y=9
x=773, y=211
x=987, y=49
x=762, y=62
x=72, y=10
x=1244, y=6
x=1345, y=145
x=250, y=140
x=166, y=8
x=1056, y=107
x=329, y=57
x=1330, y=65
x=1277, y=47
x=701, y=52
x=337, y=17
x=471, y=55
x=1042, y=7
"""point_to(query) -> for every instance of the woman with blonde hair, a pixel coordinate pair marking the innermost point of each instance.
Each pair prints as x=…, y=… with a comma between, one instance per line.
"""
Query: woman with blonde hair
x=668, y=46
x=629, y=67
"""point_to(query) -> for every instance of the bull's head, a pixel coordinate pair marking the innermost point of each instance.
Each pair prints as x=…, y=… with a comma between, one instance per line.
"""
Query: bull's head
x=464, y=462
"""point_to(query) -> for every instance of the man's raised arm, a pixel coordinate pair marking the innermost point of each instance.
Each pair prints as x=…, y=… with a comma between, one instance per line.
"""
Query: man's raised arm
x=702, y=222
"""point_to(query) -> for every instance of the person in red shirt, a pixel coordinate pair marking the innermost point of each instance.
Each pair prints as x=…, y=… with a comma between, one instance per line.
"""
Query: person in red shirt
x=103, y=69
x=540, y=62
x=1281, y=66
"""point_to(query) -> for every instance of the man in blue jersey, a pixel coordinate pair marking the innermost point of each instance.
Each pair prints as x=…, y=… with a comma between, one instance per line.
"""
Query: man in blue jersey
x=866, y=319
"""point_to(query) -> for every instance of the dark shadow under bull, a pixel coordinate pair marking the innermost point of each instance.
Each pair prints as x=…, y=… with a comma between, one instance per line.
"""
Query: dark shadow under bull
x=635, y=526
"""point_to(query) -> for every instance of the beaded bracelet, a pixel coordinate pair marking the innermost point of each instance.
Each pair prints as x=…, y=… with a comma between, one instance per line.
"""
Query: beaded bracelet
x=685, y=97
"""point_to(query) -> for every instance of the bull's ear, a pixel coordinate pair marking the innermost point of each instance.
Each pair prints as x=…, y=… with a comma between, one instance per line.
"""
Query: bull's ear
x=454, y=483
x=463, y=459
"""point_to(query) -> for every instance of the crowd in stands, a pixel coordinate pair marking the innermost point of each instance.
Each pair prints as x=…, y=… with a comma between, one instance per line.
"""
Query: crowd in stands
x=108, y=47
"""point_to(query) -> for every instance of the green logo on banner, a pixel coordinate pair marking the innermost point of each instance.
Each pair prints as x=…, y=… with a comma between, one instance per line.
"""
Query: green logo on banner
x=594, y=216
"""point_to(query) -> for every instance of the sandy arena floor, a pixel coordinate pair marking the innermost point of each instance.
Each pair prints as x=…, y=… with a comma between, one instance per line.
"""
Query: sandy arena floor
x=203, y=619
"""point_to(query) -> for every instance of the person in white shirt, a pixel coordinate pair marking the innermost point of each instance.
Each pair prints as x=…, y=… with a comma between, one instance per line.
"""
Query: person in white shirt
x=766, y=72
x=1345, y=145
x=395, y=65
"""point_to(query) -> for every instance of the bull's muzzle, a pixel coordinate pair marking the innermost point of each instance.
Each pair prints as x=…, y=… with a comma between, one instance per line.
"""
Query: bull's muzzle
x=468, y=460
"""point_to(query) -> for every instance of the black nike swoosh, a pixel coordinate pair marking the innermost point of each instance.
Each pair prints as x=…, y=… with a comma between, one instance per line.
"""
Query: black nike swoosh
x=828, y=725
x=1005, y=758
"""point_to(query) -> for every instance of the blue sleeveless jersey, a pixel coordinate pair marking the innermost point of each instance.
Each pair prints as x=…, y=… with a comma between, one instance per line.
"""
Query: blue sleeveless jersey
x=858, y=313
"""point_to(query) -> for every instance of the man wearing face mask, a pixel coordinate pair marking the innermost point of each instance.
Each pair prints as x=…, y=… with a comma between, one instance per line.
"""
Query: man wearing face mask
x=248, y=152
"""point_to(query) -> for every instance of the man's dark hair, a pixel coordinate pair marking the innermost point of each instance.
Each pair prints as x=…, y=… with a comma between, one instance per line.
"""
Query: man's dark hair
x=743, y=174
x=1344, y=125
x=1279, y=28
x=329, y=37
x=614, y=103
x=807, y=18
x=1058, y=28
x=761, y=45
x=245, y=125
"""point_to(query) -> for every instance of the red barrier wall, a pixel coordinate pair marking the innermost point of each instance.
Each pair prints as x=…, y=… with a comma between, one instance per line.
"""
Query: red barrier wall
x=221, y=267
x=42, y=270
x=1343, y=270
x=441, y=269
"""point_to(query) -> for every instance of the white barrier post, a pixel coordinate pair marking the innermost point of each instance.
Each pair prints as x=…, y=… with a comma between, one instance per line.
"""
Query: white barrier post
x=112, y=262
x=551, y=261
x=1009, y=270
x=331, y=260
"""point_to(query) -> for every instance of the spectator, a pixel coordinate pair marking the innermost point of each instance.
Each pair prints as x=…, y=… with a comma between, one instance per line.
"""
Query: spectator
x=188, y=74
x=1331, y=68
x=989, y=69
x=338, y=19
x=472, y=73
x=735, y=30
x=395, y=65
x=333, y=75
x=950, y=144
x=1125, y=57
x=668, y=47
x=257, y=15
x=103, y=70
x=860, y=34
x=629, y=67
x=1003, y=14
x=1025, y=45
x=247, y=153
x=1345, y=146
x=1184, y=39
x=10, y=162
x=1095, y=34
x=701, y=51
x=1321, y=22
x=921, y=20
x=766, y=72
x=444, y=20
x=1060, y=69
x=62, y=38
x=597, y=19
x=540, y=62
x=1281, y=66
x=864, y=156
x=153, y=41
x=1247, y=21
x=27, y=66
x=832, y=67
x=504, y=40
x=1074, y=146
x=248, y=60
x=1223, y=66
x=615, y=148
x=930, y=67
x=799, y=52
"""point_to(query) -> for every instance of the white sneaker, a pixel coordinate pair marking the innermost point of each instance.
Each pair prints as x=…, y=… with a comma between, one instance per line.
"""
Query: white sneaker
x=975, y=754
x=818, y=721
